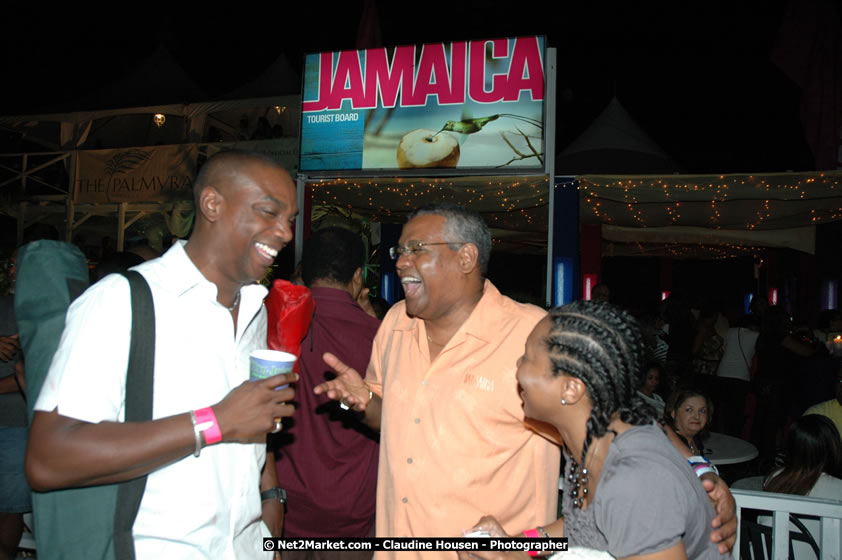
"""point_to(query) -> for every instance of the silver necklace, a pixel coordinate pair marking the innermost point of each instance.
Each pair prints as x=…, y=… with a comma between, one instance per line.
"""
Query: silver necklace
x=236, y=301
x=429, y=339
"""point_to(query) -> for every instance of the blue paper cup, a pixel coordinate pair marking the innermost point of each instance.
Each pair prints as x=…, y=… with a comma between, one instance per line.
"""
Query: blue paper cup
x=267, y=363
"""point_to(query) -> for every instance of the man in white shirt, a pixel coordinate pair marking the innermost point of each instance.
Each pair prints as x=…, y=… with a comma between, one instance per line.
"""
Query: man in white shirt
x=208, y=317
x=731, y=383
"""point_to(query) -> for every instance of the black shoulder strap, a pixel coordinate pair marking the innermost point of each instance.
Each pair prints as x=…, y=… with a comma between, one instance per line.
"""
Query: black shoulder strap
x=139, y=382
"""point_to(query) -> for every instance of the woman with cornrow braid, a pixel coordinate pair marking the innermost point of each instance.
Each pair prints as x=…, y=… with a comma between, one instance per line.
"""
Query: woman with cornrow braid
x=627, y=490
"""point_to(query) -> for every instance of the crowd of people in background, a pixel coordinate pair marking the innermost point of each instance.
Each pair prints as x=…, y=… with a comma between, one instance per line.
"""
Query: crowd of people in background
x=451, y=365
x=758, y=371
x=758, y=376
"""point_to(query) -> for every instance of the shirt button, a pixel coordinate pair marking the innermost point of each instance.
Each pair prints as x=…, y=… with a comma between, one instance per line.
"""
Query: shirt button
x=417, y=420
x=409, y=460
x=405, y=500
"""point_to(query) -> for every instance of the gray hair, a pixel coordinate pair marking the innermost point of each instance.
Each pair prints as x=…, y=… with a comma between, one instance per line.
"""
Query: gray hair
x=462, y=225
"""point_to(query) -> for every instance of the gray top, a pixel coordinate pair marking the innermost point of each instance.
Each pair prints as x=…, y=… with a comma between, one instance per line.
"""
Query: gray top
x=12, y=405
x=647, y=498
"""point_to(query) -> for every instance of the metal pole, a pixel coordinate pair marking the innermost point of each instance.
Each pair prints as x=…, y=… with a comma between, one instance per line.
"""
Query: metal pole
x=299, y=222
x=549, y=165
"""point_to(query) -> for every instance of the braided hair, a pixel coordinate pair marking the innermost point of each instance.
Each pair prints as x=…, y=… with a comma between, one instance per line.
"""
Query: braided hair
x=601, y=345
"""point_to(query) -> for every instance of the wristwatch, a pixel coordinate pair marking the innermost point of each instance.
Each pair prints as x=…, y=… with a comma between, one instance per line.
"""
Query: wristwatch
x=274, y=494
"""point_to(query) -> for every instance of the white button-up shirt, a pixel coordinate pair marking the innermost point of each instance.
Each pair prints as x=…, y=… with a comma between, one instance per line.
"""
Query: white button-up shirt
x=205, y=507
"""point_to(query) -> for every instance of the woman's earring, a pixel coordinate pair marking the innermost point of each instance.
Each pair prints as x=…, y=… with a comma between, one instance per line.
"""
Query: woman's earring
x=563, y=402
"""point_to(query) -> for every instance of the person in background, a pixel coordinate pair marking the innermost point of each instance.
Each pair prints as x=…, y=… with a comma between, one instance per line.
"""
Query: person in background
x=653, y=333
x=731, y=384
x=780, y=381
x=380, y=307
x=822, y=371
x=812, y=467
x=687, y=418
x=679, y=334
x=651, y=380
x=329, y=469
x=601, y=292
x=142, y=249
x=116, y=262
x=707, y=350
x=15, y=495
x=812, y=460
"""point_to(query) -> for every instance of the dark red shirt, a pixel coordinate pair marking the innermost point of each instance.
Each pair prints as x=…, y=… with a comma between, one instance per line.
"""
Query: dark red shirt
x=329, y=469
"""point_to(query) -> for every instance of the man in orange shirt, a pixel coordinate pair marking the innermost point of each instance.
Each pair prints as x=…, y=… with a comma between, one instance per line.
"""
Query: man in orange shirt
x=454, y=441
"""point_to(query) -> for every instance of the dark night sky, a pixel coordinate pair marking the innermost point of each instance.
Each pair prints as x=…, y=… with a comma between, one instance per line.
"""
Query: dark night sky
x=697, y=76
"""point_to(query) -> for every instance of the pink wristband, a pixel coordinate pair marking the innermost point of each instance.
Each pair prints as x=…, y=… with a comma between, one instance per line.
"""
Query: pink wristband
x=207, y=424
x=532, y=534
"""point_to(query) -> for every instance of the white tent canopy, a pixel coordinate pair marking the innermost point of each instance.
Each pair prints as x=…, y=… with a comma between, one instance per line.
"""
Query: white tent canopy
x=614, y=143
x=632, y=187
x=757, y=210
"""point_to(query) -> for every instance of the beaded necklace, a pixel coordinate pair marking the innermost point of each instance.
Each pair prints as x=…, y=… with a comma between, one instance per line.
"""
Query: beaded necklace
x=578, y=478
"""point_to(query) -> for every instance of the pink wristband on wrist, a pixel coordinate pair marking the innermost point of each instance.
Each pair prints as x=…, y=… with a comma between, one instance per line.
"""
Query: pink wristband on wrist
x=207, y=424
x=532, y=534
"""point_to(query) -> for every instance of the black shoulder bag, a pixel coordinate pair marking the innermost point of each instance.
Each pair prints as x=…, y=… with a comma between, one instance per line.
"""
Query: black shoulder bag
x=139, y=383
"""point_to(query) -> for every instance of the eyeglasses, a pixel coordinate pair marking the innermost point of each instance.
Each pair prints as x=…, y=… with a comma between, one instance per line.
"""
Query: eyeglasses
x=412, y=248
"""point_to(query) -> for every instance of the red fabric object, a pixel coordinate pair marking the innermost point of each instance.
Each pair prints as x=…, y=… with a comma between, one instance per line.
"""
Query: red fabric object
x=289, y=309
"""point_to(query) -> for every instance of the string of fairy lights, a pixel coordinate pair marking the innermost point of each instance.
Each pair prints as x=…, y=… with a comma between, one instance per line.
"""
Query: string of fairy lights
x=637, y=195
x=496, y=197
x=682, y=250
x=737, y=201
x=650, y=201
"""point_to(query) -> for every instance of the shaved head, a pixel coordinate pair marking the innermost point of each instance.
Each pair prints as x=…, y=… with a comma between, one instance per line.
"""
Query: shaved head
x=246, y=205
x=225, y=169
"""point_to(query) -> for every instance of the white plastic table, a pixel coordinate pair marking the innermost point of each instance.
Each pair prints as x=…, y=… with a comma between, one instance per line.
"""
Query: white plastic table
x=723, y=449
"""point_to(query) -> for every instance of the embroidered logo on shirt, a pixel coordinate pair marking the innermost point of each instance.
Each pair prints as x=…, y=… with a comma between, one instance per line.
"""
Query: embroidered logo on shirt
x=480, y=382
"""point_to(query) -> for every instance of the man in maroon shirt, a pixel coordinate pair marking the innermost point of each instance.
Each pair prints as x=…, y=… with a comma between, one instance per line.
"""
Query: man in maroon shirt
x=329, y=469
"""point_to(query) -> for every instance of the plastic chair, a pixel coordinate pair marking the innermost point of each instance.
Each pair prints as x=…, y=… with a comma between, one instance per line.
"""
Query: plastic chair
x=756, y=539
x=783, y=508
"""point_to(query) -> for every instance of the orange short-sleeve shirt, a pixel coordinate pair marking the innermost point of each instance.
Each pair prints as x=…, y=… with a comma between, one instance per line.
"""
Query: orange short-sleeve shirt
x=454, y=444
